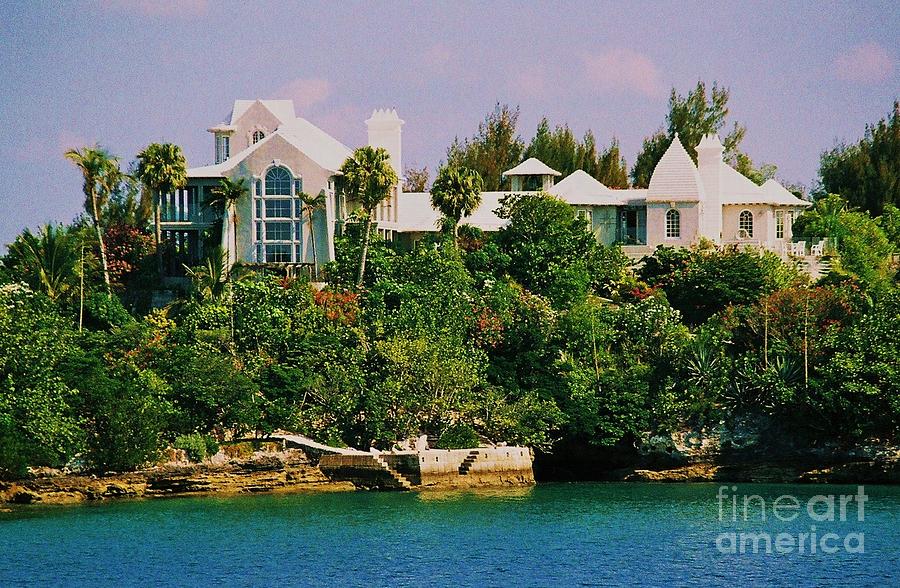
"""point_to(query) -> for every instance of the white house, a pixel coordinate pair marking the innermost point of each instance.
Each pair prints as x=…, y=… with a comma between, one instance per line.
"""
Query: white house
x=280, y=155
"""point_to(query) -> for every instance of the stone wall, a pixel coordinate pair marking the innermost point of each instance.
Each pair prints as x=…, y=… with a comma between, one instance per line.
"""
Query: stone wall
x=434, y=468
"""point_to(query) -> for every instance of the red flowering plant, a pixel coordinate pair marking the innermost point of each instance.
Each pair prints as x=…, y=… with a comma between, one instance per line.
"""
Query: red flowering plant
x=342, y=307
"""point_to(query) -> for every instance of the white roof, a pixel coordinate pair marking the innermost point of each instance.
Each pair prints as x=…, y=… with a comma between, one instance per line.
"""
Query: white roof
x=739, y=189
x=580, y=187
x=532, y=167
x=312, y=141
x=676, y=177
x=282, y=109
x=318, y=145
x=778, y=194
x=415, y=214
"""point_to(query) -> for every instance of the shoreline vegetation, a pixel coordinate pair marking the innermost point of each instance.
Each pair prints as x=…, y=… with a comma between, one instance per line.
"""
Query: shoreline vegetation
x=535, y=336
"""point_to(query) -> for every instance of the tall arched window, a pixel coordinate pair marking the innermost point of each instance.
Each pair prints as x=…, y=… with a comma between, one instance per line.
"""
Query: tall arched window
x=278, y=182
x=673, y=224
x=258, y=136
x=745, y=224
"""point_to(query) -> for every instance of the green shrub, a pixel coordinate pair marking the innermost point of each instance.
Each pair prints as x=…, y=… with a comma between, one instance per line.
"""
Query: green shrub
x=194, y=445
x=458, y=436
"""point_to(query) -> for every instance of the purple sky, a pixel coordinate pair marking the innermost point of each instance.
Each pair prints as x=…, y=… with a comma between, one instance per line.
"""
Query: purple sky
x=129, y=72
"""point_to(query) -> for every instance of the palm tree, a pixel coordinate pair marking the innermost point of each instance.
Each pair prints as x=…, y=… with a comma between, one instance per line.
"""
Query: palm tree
x=310, y=205
x=162, y=169
x=456, y=192
x=101, y=178
x=210, y=280
x=369, y=177
x=47, y=261
x=223, y=200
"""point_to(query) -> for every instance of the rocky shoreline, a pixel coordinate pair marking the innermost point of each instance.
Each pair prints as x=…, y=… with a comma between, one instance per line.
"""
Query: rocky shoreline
x=286, y=471
x=859, y=472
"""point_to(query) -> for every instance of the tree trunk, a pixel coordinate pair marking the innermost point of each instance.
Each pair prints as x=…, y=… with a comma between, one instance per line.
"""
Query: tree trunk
x=99, y=232
x=157, y=234
x=233, y=235
x=312, y=238
x=456, y=234
x=365, y=249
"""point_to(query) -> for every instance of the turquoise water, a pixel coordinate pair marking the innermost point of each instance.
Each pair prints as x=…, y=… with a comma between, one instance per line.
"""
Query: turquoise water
x=549, y=535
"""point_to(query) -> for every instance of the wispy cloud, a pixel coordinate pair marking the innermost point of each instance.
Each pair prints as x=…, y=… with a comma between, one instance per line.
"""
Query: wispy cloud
x=623, y=70
x=305, y=92
x=866, y=63
x=166, y=8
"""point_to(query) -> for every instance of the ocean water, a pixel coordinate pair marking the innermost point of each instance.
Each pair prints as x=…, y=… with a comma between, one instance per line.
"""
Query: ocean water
x=548, y=535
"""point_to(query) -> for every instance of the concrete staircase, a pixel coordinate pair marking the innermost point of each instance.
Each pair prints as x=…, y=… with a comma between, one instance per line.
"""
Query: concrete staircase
x=468, y=462
x=816, y=267
x=399, y=478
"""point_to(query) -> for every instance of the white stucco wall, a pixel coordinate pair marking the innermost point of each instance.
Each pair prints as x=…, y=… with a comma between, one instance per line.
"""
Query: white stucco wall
x=656, y=223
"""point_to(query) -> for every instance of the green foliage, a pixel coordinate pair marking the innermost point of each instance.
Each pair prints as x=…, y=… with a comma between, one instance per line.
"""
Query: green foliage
x=103, y=311
x=456, y=192
x=861, y=242
x=691, y=117
x=549, y=249
x=701, y=283
x=494, y=149
x=198, y=447
x=866, y=173
x=48, y=262
x=37, y=423
x=459, y=436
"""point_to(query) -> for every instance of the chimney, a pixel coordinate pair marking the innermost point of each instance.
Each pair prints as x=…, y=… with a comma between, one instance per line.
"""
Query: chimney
x=384, y=131
x=709, y=164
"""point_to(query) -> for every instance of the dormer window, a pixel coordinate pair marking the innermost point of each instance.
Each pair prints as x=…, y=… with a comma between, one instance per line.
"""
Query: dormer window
x=258, y=136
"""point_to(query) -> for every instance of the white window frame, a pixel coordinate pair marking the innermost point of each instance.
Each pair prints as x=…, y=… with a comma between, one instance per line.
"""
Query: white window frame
x=673, y=223
x=295, y=216
x=779, y=224
x=743, y=230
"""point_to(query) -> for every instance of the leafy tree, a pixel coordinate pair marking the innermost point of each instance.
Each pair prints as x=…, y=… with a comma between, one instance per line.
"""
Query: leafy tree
x=548, y=247
x=758, y=176
x=494, y=149
x=101, y=178
x=867, y=173
x=415, y=179
x=224, y=199
x=162, y=169
x=863, y=247
x=611, y=168
x=706, y=282
x=889, y=221
x=368, y=177
x=37, y=423
x=691, y=117
x=456, y=192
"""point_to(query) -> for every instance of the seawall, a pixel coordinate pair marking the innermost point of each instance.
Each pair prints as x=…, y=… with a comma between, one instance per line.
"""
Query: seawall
x=433, y=468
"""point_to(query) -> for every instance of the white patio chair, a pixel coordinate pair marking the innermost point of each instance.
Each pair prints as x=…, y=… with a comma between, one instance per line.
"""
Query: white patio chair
x=817, y=249
x=799, y=248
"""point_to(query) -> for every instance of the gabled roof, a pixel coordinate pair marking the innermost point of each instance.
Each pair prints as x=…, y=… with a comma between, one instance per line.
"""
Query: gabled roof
x=777, y=193
x=676, y=177
x=283, y=110
x=309, y=139
x=532, y=167
x=580, y=187
x=318, y=145
x=738, y=189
